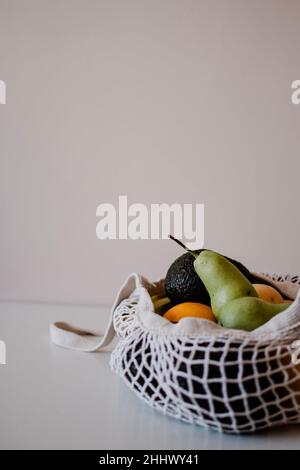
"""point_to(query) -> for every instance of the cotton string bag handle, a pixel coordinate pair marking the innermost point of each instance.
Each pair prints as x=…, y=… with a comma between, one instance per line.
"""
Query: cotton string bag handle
x=70, y=337
x=77, y=339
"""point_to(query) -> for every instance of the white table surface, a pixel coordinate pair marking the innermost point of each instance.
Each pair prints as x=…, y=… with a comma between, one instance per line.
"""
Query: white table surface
x=51, y=398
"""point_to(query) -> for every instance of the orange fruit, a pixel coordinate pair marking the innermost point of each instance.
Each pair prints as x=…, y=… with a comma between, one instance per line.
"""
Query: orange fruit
x=189, y=309
x=268, y=293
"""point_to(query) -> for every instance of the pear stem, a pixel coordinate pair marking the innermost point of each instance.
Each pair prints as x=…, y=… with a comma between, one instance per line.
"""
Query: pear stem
x=183, y=246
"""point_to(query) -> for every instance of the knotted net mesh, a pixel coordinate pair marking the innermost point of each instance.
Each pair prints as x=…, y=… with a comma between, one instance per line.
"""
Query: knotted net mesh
x=227, y=382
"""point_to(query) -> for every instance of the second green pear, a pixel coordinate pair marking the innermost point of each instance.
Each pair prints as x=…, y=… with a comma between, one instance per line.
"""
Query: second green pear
x=249, y=313
x=223, y=281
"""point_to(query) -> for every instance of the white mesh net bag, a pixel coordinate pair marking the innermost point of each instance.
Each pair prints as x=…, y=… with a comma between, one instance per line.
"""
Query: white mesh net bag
x=197, y=371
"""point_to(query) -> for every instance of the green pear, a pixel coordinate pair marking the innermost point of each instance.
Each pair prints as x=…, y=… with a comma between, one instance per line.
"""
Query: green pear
x=223, y=281
x=248, y=313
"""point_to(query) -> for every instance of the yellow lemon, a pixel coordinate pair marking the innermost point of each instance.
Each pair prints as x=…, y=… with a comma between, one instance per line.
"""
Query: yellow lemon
x=268, y=293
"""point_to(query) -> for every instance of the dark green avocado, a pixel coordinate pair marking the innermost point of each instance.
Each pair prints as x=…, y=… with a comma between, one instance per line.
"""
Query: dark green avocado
x=182, y=283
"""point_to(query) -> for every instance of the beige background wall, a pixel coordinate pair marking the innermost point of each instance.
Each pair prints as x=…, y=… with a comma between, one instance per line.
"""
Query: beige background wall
x=162, y=100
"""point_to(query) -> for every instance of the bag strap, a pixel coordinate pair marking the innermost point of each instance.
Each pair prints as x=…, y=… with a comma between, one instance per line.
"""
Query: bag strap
x=77, y=339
